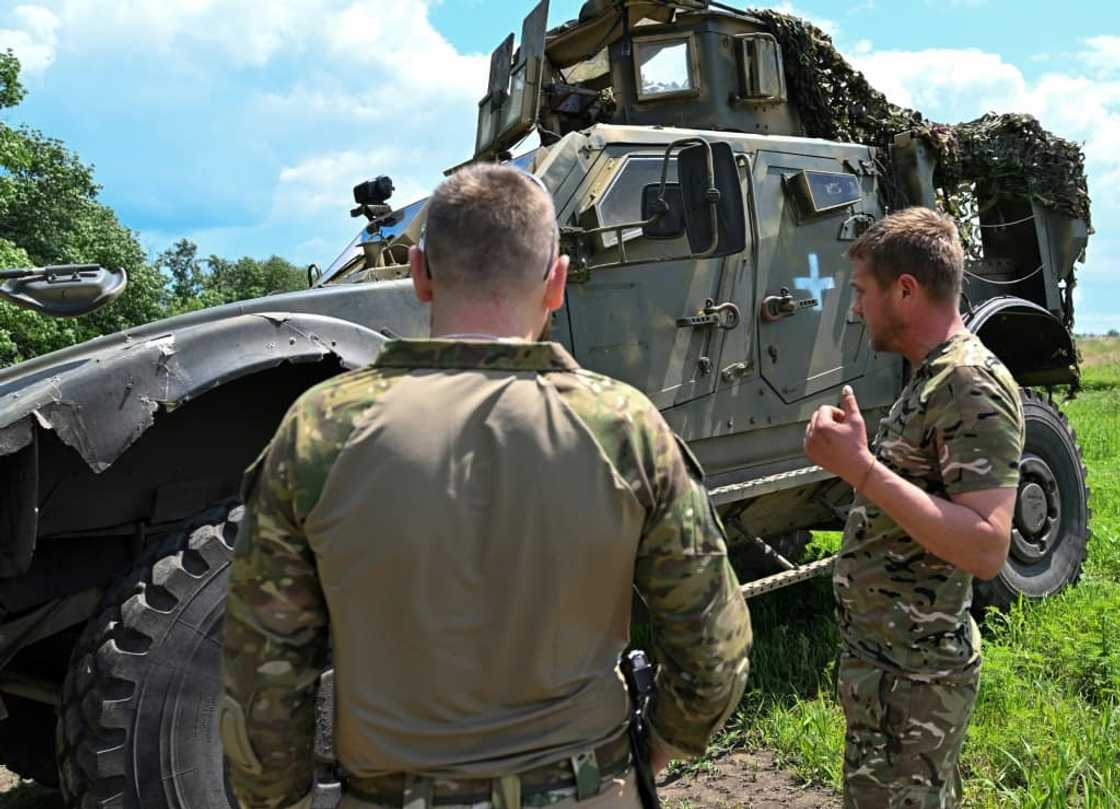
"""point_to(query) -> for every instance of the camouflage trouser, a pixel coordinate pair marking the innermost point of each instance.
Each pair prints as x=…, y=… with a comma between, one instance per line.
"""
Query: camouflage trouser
x=903, y=737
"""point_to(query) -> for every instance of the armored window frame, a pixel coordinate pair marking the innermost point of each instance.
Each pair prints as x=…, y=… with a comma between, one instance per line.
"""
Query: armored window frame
x=622, y=186
x=762, y=72
x=692, y=60
x=801, y=187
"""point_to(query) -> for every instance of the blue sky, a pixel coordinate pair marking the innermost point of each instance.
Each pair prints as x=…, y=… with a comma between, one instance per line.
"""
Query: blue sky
x=244, y=125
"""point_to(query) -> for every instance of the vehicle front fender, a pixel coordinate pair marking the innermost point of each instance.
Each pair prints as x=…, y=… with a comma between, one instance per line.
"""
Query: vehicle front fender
x=1034, y=345
x=100, y=404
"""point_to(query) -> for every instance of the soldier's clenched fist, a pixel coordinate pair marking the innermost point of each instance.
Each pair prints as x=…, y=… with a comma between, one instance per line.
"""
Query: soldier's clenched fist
x=836, y=439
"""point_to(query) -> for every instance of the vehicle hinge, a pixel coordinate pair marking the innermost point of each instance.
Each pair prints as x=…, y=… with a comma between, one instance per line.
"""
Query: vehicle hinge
x=731, y=372
x=855, y=226
x=723, y=315
x=776, y=307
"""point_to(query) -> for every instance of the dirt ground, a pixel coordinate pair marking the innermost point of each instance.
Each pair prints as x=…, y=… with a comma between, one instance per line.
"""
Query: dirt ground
x=744, y=781
x=17, y=794
x=738, y=781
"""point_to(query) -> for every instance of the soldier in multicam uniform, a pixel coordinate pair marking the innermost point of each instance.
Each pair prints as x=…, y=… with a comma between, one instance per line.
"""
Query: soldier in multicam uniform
x=465, y=520
x=933, y=509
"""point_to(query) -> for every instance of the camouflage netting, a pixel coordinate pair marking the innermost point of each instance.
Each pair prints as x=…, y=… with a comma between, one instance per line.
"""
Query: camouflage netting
x=1004, y=153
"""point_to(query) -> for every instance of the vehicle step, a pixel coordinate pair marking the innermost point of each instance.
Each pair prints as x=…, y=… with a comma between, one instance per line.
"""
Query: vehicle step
x=768, y=484
x=769, y=584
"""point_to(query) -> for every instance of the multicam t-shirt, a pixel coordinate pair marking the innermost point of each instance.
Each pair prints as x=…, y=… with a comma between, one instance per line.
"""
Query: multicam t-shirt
x=465, y=521
x=956, y=427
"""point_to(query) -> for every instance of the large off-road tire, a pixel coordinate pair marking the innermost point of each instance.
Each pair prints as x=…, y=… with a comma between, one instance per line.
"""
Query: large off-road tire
x=138, y=724
x=1050, y=534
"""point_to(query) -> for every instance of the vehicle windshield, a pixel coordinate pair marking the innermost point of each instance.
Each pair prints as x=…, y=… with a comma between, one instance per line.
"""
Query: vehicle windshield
x=349, y=258
x=352, y=257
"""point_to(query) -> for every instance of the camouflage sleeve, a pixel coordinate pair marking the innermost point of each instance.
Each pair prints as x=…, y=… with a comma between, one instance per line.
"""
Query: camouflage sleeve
x=976, y=422
x=698, y=618
x=275, y=632
x=699, y=621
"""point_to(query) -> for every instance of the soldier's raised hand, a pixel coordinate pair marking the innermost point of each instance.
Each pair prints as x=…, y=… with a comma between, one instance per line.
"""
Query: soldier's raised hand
x=836, y=439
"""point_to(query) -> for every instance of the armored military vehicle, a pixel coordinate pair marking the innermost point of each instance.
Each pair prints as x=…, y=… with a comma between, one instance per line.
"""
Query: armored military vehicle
x=709, y=167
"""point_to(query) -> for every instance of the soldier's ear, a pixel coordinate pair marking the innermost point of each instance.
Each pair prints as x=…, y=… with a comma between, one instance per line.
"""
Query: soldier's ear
x=555, y=283
x=421, y=280
x=908, y=285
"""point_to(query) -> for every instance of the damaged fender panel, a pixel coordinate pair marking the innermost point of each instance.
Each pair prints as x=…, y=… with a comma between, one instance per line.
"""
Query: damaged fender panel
x=101, y=403
x=19, y=512
x=100, y=406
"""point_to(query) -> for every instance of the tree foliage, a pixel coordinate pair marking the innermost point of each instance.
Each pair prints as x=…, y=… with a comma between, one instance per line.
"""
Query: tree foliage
x=194, y=283
x=50, y=214
x=11, y=91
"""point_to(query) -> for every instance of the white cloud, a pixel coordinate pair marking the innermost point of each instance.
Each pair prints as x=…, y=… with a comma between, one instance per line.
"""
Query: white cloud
x=953, y=85
x=247, y=33
x=960, y=84
x=269, y=112
x=34, y=39
x=942, y=78
x=1103, y=53
x=830, y=27
x=325, y=182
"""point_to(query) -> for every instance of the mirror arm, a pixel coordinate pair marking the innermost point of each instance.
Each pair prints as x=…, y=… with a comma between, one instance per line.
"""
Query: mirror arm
x=52, y=273
x=680, y=144
x=642, y=261
x=663, y=205
x=712, y=196
x=713, y=207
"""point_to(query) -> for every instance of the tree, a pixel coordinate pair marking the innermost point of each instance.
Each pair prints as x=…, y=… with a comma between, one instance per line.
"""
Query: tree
x=196, y=283
x=11, y=91
x=50, y=214
x=249, y=278
x=184, y=273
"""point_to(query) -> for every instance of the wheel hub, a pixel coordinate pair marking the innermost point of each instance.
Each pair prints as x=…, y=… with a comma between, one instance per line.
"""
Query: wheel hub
x=1037, y=511
x=1032, y=507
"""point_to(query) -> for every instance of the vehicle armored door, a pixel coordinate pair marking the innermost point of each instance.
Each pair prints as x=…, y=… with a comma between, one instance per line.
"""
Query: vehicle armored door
x=631, y=322
x=809, y=210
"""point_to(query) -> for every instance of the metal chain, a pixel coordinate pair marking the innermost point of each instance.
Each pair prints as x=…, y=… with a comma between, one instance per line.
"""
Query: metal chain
x=1008, y=224
x=1031, y=274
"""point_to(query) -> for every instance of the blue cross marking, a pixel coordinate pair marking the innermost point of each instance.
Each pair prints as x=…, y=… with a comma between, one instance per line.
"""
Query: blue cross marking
x=813, y=282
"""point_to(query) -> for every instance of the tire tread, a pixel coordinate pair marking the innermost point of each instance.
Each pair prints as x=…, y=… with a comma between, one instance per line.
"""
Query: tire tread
x=996, y=593
x=110, y=659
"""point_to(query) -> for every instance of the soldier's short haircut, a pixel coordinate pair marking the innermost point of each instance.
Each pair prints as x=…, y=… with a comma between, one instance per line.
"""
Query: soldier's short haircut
x=918, y=241
x=490, y=226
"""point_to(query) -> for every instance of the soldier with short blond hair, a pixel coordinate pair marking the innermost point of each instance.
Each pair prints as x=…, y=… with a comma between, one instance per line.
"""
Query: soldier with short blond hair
x=466, y=519
x=935, y=494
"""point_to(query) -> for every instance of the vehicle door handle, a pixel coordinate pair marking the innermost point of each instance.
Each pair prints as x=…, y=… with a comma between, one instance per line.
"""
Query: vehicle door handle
x=722, y=315
x=782, y=305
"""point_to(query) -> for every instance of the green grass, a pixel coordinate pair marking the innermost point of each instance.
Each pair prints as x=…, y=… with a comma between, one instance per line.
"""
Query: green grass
x=1100, y=358
x=1046, y=732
